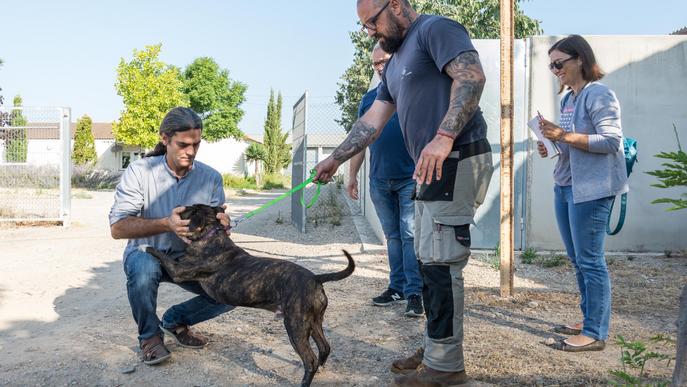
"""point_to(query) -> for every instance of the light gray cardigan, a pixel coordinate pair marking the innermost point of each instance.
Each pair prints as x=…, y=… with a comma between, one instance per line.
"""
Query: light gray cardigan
x=601, y=171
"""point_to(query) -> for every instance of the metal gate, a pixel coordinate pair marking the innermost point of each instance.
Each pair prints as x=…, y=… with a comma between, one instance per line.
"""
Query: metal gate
x=315, y=135
x=35, y=152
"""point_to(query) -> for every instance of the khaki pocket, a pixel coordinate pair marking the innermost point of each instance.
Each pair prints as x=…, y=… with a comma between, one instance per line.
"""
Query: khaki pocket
x=447, y=246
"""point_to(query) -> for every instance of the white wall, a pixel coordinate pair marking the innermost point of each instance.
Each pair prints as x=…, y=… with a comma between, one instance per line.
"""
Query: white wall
x=648, y=75
x=226, y=156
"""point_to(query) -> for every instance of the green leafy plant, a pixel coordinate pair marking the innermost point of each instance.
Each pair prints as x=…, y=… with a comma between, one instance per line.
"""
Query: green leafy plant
x=84, y=144
x=634, y=356
x=529, y=256
x=553, y=260
x=274, y=181
x=673, y=175
x=236, y=182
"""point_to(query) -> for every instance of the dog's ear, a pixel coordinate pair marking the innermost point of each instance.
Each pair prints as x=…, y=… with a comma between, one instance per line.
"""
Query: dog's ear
x=219, y=209
x=186, y=213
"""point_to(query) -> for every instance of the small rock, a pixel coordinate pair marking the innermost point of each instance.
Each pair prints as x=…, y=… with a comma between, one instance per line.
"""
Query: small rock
x=533, y=304
x=550, y=341
x=127, y=369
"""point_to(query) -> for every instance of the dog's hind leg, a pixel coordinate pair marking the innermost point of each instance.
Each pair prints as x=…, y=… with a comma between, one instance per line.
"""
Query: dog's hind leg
x=299, y=335
x=321, y=341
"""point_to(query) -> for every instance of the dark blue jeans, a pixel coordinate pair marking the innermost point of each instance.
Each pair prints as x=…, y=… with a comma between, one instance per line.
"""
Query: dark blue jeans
x=143, y=276
x=396, y=212
x=583, y=230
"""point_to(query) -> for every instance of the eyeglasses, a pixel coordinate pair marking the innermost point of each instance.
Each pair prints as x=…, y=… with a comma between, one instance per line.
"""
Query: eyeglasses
x=371, y=23
x=559, y=63
x=380, y=63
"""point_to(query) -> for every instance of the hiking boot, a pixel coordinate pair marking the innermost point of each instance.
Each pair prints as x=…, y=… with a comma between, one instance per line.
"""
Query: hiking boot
x=408, y=364
x=153, y=351
x=414, y=308
x=387, y=298
x=185, y=336
x=428, y=377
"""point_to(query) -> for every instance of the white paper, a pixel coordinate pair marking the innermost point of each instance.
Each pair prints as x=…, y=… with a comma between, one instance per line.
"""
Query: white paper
x=551, y=147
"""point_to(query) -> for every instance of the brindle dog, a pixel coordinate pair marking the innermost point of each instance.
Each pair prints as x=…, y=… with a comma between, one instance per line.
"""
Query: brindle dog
x=230, y=275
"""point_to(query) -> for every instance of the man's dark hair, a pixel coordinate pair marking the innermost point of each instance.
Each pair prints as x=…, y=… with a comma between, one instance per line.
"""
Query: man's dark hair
x=577, y=47
x=179, y=119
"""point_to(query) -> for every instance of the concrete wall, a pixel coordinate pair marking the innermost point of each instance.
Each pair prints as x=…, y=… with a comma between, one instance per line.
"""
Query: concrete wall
x=648, y=75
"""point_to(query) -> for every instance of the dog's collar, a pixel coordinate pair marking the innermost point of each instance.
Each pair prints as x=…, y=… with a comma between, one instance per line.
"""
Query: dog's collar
x=211, y=232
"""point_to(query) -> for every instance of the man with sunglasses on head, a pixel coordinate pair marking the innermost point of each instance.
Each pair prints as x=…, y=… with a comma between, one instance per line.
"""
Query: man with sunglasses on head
x=434, y=80
x=391, y=190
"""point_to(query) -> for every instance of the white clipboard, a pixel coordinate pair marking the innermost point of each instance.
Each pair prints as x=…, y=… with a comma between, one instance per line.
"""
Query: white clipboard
x=551, y=147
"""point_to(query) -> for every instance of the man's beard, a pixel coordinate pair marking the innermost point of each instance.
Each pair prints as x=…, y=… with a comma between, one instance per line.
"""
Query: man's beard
x=390, y=43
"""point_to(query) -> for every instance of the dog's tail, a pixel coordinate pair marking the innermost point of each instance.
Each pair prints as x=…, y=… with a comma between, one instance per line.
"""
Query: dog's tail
x=339, y=275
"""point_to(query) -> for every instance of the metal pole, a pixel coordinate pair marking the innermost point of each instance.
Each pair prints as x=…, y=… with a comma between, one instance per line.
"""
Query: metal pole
x=66, y=167
x=506, y=244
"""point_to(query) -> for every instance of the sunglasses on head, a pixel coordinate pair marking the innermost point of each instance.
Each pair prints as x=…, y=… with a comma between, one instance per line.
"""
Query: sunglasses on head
x=559, y=63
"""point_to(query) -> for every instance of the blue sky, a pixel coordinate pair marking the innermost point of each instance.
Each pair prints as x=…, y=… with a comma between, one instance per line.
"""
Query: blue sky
x=65, y=53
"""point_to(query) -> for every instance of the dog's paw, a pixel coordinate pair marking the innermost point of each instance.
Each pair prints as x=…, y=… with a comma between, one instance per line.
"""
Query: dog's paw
x=143, y=248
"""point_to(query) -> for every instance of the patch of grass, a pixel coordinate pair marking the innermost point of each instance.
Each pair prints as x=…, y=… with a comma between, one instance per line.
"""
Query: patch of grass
x=529, y=256
x=553, y=260
x=236, y=182
x=275, y=181
x=82, y=195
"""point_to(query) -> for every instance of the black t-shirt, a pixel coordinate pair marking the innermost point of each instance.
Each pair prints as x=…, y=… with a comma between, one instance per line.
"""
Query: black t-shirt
x=415, y=82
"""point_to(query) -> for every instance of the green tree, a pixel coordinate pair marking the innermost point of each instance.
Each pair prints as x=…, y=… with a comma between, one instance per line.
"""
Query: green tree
x=16, y=142
x=480, y=17
x=277, y=151
x=149, y=88
x=215, y=97
x=255, y=153
x=84, y=143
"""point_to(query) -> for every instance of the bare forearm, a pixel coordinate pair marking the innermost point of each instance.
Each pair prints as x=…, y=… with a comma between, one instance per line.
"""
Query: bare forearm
x=361, y=135
x=355, y=163
x=466, y=91
x=135, y=227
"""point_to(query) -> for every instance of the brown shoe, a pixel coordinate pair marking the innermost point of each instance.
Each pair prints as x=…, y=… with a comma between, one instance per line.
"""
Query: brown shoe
x=185, y=336
x=153, y=351
x=408, y=364
x=428, y=377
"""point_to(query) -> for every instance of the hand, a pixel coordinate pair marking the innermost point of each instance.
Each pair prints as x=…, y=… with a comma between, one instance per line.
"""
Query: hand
x=325, y=170
x=179, y=226
x=542, y=149
x=225, y=220
x=551, y=131
x=432, y=159
x=352, y=188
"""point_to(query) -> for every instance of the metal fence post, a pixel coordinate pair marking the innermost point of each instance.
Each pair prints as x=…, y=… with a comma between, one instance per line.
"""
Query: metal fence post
x=65, y=166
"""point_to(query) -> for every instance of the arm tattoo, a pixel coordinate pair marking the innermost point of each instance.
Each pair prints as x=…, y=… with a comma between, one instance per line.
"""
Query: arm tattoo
x=360, y=136
x=468, y=82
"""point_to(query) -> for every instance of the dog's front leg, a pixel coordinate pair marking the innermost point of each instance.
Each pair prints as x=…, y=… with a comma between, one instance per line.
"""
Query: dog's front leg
x=179, y=271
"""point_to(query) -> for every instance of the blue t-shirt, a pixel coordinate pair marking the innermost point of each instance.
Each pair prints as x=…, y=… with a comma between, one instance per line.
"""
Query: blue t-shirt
x=414, y=80
x=389, y=158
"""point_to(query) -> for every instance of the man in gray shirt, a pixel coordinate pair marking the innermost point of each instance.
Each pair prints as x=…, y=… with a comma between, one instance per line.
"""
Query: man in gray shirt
x=434, y=81
x=147, y=206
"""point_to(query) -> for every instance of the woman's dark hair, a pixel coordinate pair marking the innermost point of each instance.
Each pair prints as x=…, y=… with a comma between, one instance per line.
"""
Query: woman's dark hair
x=577, y=47
x=179, y=119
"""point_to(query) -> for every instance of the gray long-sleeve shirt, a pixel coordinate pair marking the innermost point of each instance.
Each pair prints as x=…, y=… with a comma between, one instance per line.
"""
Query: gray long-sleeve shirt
x=149, y=189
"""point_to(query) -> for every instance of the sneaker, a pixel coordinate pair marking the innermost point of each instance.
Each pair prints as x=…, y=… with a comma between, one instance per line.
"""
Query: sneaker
x=414, y=308
x=387, y=298
x=185, y=336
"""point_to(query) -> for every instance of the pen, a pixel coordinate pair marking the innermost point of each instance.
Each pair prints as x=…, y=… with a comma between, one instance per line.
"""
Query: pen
x=541, y=118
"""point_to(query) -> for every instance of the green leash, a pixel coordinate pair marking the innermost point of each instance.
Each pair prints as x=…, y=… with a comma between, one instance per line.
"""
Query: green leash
x=284, y=196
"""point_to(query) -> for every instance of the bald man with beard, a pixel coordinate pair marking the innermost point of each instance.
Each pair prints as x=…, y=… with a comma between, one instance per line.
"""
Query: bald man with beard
x=434, y=81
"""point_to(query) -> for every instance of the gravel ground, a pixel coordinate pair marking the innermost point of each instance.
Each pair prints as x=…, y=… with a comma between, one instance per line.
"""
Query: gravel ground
x=65, y=318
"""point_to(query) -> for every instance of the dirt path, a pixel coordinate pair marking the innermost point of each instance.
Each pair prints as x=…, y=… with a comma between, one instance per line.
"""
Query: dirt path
x=65, y=318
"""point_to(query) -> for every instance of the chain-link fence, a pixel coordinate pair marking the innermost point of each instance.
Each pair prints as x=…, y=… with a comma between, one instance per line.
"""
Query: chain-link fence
x=35, y=148
x=315, y=136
